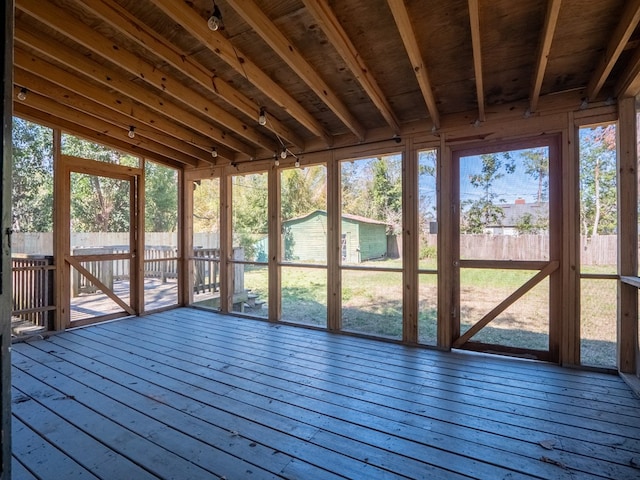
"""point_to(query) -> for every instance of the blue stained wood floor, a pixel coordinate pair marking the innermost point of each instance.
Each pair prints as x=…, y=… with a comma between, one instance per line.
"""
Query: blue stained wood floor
x=189, y=394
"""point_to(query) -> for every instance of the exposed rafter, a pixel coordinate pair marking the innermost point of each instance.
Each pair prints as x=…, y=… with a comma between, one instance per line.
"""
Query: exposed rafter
x=474, y=20
x=181, y=12
x=323, y=14
x=55, y=115
x=111, y=80
x=40, y=102
x=550, y=22
x=617, y=43
x=133, y=29
x=60, y=20
x=271, y=34
x=405, y=28
x=172, y=132
x=629, y=83
x=181, y=151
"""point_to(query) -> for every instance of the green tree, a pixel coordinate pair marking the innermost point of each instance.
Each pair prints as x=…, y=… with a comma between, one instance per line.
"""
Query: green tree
x=32, y=177
x=536, y=164
x=250, y=219
x=598, y=197
x=386, y=192
x=484, y=210
x=161, y=198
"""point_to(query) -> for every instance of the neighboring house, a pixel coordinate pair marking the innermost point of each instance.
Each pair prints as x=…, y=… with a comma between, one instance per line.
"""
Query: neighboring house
x=305, y=238
x=519, y=213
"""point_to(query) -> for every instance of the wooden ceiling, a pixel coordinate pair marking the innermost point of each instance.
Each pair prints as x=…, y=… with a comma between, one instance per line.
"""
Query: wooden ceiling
x=327, y=72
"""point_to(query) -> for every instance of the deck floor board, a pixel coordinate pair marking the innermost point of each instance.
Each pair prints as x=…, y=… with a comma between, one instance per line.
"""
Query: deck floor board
x=192, y=394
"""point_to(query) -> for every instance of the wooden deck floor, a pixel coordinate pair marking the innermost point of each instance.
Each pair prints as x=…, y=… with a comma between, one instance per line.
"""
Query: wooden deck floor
x=187, y=394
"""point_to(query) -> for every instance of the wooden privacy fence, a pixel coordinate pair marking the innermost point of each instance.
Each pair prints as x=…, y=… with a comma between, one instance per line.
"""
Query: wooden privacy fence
x=33, y=299
x=596, y=250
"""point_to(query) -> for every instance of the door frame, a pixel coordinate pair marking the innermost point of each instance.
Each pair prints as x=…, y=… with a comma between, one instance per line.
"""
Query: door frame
x=551, y=268
x=134, y=175
x=6, y=65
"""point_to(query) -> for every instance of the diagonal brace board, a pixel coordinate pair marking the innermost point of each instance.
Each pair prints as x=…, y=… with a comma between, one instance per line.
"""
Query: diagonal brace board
x=507, y=302
x=106, y=290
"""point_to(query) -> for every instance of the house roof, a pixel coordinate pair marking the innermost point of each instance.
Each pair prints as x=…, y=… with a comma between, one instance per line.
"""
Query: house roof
x=345, y=216
x=327, y=73
x=514, y=212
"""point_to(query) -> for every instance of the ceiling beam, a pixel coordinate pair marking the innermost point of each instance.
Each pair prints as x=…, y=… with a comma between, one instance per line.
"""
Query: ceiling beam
x=118, y=103
x=323, y=14
x=550, y=23
x=182, y=13
x=43, y=117
x=67, y=25
x=276, y=40
x=132, y=28
x=617, y=42
x=405, y=28
x=474, y=19
x=186, y=153
x=629, y=83
x=59, y=52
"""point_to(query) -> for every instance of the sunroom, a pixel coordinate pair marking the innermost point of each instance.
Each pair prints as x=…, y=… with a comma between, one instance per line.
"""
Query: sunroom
x=419, y=186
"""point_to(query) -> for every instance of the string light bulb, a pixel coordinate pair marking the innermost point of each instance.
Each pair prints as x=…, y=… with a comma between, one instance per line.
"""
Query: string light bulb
x=277, y=162
x=214, y=152
x=22, y=94
x=131, y=132
x=283, y=153
x=215, y=20
x=262, y=118
x=297, y=164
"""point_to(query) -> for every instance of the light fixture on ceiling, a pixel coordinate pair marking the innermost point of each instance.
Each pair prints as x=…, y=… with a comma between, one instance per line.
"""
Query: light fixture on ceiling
x=131, y=132
x=262, y=118
x=214, y=152
x=277, y=162
x=22, y=94
x=283, y=153
x=297, y=164
x=215, y=20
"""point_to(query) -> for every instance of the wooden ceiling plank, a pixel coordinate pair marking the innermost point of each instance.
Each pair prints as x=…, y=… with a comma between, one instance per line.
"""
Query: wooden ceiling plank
x=617, y=43
x=66, y=24
x=550, y=23
x=41, y=85
x=629, y=83
x=276, y=40
x=183, y=13
x=474, y=19
x=70, y=114
x=33, y=114
x=58, y=52
x=324, y=15
x=405, y=28
x=137, y=31
x=121, y=104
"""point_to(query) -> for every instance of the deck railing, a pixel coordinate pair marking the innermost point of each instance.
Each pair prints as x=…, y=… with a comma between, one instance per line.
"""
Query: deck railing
x=33, y=298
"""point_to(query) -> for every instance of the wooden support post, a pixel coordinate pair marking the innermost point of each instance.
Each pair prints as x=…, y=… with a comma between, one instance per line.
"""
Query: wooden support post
x=62, y=238
x=6, y=67
x=334, y=226
x=137, y=241
x=185, y=240
x=627, y=236
x=410, y=245
x=446, y=248
x=275, y=244
x=570, y=266
x=226, y=245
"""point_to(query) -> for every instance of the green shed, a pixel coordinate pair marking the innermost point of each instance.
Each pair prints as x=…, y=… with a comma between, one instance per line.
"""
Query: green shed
x=305, y=238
